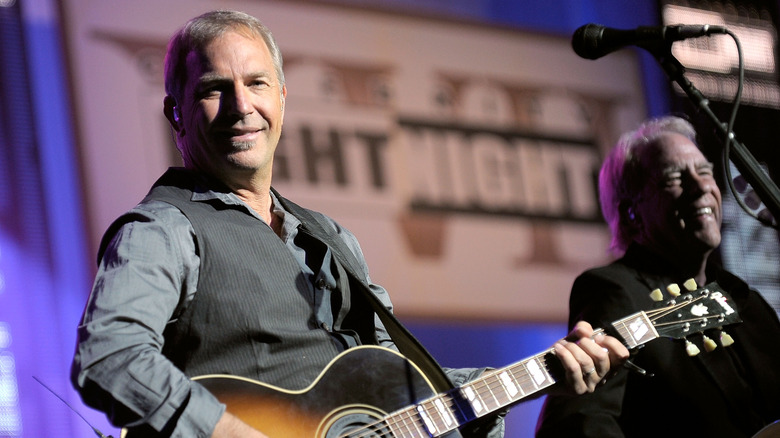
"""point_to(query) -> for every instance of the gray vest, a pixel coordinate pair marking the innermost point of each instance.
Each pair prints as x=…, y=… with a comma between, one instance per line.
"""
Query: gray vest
x=252, y=314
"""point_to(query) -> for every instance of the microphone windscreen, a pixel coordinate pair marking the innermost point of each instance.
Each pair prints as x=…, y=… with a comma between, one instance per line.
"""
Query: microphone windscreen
x=585, y=41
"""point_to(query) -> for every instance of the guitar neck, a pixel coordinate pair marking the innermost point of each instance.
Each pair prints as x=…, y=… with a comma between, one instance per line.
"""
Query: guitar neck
x=496, y=389
x=636, y=330
x=493, y=391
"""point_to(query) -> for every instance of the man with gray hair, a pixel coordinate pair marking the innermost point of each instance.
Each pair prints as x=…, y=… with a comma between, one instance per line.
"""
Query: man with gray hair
x=214, y=272
x=664, y=209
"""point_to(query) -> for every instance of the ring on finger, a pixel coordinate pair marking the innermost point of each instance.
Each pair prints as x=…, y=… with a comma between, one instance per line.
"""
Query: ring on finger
x=589, y=372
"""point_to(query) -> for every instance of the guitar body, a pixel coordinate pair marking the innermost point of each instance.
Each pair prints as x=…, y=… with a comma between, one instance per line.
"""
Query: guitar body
x=770, y=431
x=355, y=390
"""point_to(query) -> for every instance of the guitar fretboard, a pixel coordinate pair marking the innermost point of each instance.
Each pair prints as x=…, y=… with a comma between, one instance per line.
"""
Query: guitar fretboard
x=636, y=329
x=690, y=313
x=489, y=393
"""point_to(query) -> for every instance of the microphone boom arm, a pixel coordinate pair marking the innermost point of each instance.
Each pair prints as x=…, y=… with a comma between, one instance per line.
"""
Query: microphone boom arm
x=742, y=158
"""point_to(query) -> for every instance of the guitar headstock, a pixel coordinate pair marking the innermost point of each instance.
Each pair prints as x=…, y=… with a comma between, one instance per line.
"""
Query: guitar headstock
x=680, y=315
x=696, y=311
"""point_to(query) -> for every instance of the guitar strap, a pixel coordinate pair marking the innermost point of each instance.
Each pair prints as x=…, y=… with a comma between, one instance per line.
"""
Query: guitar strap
x=407, y=344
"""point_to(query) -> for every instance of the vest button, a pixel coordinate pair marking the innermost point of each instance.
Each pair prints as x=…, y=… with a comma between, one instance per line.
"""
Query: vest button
x=320, y=283
x=325, y=326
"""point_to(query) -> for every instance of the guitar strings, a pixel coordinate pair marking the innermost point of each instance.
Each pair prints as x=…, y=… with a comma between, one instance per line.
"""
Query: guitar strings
x=398, y=417
x=381, y=428
x=488, y=388
x=660, y=313
x=403, y=418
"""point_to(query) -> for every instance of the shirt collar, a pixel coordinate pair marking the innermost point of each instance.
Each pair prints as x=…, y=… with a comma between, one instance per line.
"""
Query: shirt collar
x=207, y=190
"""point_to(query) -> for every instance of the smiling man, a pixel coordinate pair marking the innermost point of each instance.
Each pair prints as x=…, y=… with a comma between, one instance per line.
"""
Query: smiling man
x=677, y=211
x=216, y=273
x=660, y=198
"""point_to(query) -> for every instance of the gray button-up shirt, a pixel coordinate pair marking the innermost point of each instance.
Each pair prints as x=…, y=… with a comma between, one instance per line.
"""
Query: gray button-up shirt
x=148, y=273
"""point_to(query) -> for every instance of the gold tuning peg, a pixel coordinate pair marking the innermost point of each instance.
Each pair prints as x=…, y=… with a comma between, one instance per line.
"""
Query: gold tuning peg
x=726, y=339
x=690, y=285
x=691, y=348
x=709, y=344
x=656, y=295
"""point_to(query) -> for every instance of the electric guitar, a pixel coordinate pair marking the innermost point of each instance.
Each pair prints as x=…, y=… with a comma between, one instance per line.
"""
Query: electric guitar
x=372, y=391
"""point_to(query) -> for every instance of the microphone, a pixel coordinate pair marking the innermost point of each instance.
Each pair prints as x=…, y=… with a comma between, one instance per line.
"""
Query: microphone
x=592, y=41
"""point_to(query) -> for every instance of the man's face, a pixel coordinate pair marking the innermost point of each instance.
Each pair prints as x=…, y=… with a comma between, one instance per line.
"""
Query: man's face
x=232, y=110
x=679, y=209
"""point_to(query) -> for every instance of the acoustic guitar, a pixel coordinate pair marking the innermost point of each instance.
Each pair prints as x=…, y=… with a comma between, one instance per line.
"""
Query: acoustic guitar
x=372, y=391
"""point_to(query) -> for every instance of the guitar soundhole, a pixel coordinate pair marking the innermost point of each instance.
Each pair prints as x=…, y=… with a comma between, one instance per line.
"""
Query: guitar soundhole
x=359, y=424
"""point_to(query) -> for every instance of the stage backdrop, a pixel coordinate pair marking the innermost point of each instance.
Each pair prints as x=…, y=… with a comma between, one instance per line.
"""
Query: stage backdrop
x=463, y=156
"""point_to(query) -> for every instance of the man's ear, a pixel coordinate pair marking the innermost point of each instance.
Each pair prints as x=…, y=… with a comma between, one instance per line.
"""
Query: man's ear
x=172, y=113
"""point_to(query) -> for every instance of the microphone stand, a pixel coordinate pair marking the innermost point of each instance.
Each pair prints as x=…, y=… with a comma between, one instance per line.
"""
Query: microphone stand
x=742, y=158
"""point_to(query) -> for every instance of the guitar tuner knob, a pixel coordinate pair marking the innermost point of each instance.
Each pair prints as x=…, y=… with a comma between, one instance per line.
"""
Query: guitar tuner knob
x=709, y=344
x=691, y=348
x=725, y=339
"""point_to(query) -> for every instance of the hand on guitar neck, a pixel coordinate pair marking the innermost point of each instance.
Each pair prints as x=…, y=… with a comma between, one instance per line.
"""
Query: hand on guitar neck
x=587, y=356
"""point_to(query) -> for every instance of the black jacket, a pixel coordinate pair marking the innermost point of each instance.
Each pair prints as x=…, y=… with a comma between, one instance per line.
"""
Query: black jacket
x=730, y=392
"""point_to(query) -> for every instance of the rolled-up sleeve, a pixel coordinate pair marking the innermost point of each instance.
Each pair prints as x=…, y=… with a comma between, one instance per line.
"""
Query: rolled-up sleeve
x=148, y=271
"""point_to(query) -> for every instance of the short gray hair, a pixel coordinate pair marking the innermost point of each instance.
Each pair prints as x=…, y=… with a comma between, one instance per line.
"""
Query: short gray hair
x=202, y=30
x=621, y=178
